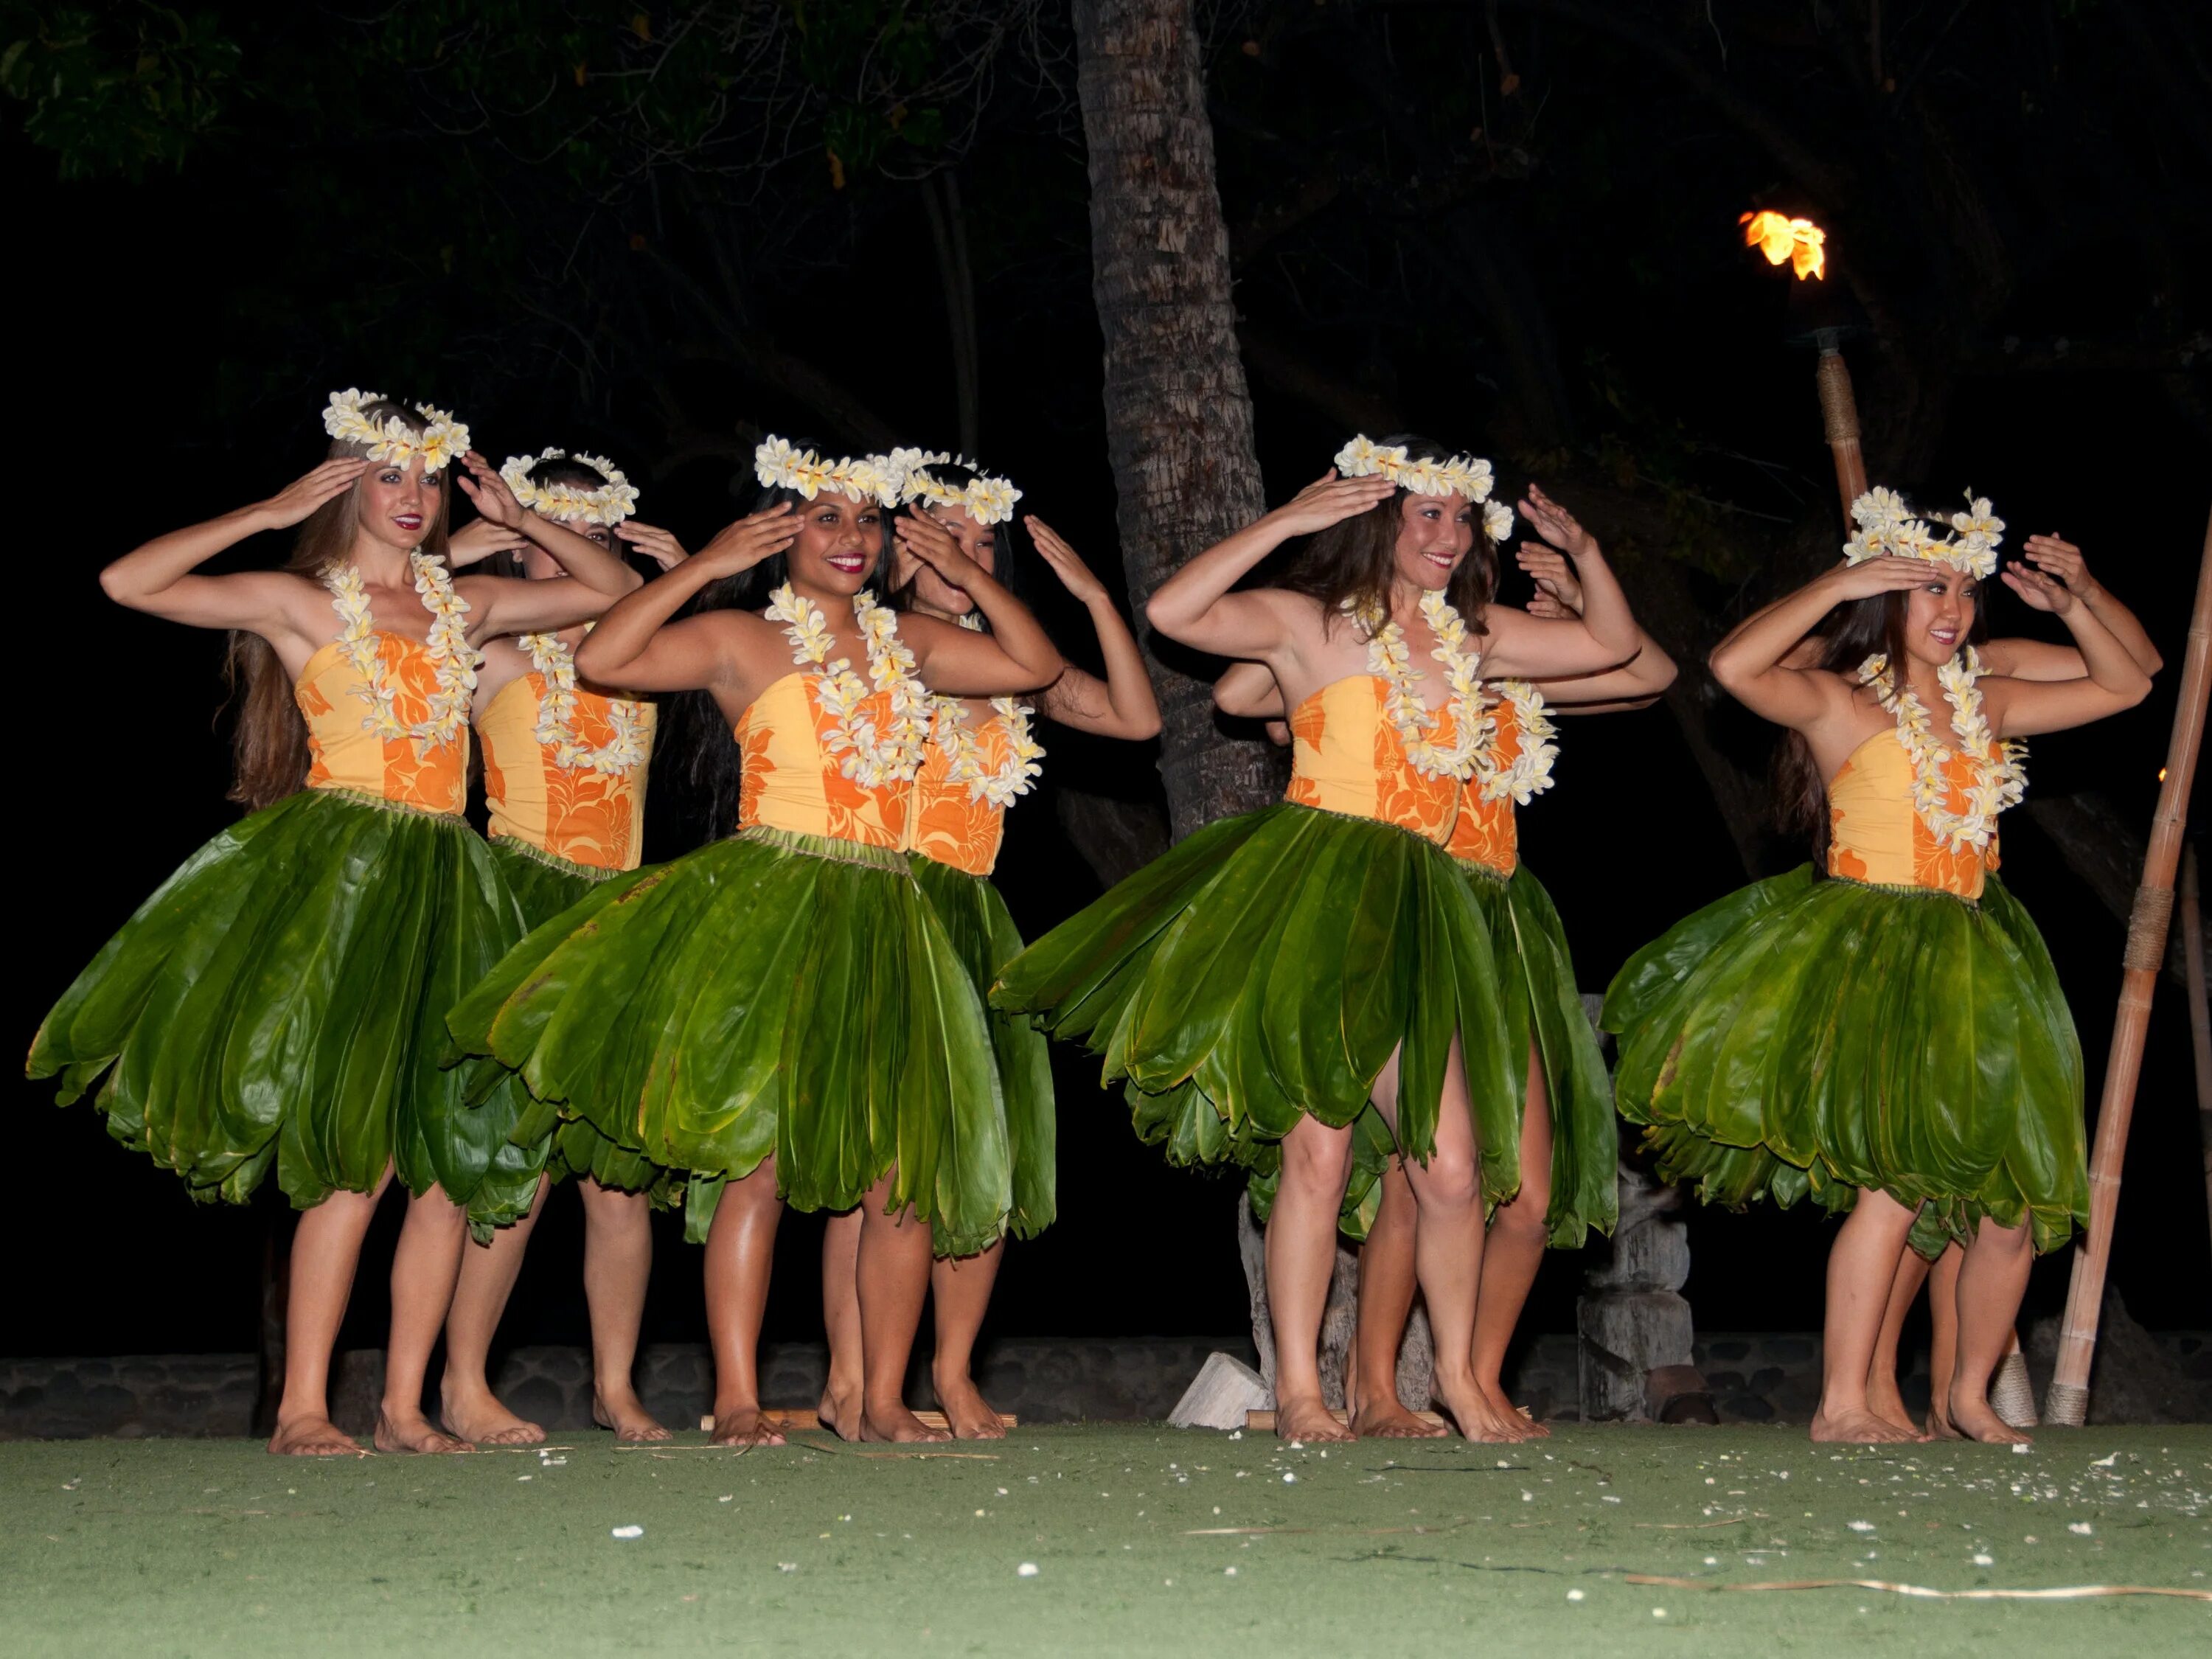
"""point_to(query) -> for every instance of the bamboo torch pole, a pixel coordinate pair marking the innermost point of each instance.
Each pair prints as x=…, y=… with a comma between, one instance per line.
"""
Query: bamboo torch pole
x=1839, y=417
x=2067, y=1404
x=2200, y=1015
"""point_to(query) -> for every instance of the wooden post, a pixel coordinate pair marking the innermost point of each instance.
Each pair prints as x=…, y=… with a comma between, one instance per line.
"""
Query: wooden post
x=1839, y=418
x=2200, y=1015
x=2067, y=1405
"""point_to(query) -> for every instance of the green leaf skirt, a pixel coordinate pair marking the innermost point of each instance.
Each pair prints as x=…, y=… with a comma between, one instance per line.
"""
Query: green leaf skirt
x=1544, y=1010
x=983, y=934
x=1265, y=970
x=770, y=995
x=1822, y=1036
x=282, y=998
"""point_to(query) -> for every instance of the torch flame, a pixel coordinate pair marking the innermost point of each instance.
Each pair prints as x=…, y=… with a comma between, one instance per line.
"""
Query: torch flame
x=1800, y=241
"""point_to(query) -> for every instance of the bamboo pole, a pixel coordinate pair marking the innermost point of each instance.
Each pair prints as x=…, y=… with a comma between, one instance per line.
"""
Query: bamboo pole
x=2200, y=1015
x=1839, y=419
x=2067, y=1405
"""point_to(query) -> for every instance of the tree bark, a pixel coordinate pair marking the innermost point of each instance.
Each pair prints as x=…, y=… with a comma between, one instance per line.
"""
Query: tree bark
x=1178, y=415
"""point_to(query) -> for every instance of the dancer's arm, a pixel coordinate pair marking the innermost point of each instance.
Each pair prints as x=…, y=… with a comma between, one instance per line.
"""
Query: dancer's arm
x=480, y=539
x=1559, y=595
x=656, y=543
x=636, y=646
x=1195, y=607
x=1750, y=662
x=1121, y=705
x=159, y=579
x=2060, y=564
x=1016, y=655
x=1248, y=692
x=2115, y=680
x=1604, y=636
x=516, y=604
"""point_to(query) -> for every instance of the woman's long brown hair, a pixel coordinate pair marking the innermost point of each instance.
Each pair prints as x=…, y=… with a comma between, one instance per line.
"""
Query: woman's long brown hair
x=269, y=744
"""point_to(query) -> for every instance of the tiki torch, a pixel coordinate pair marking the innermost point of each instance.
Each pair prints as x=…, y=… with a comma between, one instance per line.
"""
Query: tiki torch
x=1823, y=317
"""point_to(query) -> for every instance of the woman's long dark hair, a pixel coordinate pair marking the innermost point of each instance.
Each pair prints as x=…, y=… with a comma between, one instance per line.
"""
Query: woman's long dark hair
x=1013, y=559
x=708, y=765
x=1356, y=560
x=269, y=744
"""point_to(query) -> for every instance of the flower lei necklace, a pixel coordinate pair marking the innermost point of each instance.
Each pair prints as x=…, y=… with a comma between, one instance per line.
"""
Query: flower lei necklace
x=1012, y=778
x=556, y=714
x=1529, y=773
x=451, y=657
x=1389, y=659
x=873, y=758
x=1996, y=778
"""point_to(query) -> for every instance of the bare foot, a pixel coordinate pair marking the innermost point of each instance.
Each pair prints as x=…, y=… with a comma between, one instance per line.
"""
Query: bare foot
x=895, y=1423
x=1478, y=1419
x=1523, y=1425
x=313, y=1437
x=627, y=1416
x=966, y=1410
x=1859, y=1427
x=1308, y=1419
x=414, y=1434
x=1888, y=1405
x=1939, y=1425
x=840, y=1410
x=1972, y=1420
x=1388, y=1420
x=744, y=1426
x=478, y=1417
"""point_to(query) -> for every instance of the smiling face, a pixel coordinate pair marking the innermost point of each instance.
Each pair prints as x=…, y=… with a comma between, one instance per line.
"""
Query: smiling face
x=932, y=592
x=399, y=505
x=1939, y=614
x=840, y=541
x=1435, y=533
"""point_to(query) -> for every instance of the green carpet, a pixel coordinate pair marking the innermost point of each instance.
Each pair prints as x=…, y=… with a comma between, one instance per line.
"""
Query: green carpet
x=1143, y=1540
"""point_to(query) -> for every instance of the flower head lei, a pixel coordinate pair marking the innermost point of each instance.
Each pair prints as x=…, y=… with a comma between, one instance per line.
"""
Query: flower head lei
x=778, y=465
x=1886, y=527
x=453, y=660
x=441, y=440
x=872, y=757
x=1995, y=776
x=623, y=751
x=985, y=499
x=567, y=503
x=1390, y=660
x=1464, y=476
x=1000, y=785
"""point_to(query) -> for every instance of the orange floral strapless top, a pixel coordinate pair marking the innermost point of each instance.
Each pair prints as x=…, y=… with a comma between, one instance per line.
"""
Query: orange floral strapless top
x=794, y=780
x=1876, y=834
x=1486, y=831
x=1346, y=757
x=969, y=777
x=590, y=810
x=345, y=749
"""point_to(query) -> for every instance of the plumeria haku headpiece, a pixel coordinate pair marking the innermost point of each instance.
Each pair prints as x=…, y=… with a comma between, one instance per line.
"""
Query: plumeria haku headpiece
x=984, y=499
x=609, y=504
x=1886, y=528
x=442, y=439
x=1462, y=475
x=862, y=479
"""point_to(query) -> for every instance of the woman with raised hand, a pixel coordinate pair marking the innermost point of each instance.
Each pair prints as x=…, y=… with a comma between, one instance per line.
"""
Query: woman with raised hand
x=981, y=758
x=565, y=763
x=781, y=1013
x=1269, y=978
x=1891, y=1039
x=1569, y=1146
x=282, y=999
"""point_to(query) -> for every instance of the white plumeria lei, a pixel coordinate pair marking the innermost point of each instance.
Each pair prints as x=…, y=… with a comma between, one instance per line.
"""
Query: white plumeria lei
x=555, y=664
x=454, y=660
x=566, y=503
x=1004, y=783
x=1887, y=527
x=1529, y=773
x=778, y=466
x=1998, y=777
x=985, y=500
x=873, y=758
x=1466, y=476
x=442, y=440
x=1389, y=659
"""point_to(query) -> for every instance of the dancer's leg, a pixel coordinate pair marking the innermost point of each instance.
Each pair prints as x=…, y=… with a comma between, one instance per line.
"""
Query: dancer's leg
x=894, y=1278
x=1992, y=1278
x=466, y=1402
x=1883, y=1399
x=326, y=1251
x=840, y=1410
x=1300, y=1253
x=618, y=1268
x=424, y=1268
x=1861, y=1266
x=1943, y=1338
x=740, y=1255
x=1513, y=1253
x=1386, y=1303
x=961, y=1288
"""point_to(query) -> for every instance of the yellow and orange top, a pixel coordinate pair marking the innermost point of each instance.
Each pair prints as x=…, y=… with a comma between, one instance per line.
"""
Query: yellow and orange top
x=1346, y=757
x=1876, y=835
x=345, y=754
x=947, y=822
x=794, y=781
x=577, y=813
x=1485, y=833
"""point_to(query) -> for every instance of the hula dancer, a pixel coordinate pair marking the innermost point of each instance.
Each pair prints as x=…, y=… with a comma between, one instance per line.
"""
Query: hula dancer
x=981, y=759
x=781, y=1014
x=565, y=765
x=1569, y=1146
x=281, y=999
x=1891, y=1040
x=1265, y=980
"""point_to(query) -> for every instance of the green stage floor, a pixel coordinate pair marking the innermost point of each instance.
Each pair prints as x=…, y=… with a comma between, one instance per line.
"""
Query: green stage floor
x=1142, y=1539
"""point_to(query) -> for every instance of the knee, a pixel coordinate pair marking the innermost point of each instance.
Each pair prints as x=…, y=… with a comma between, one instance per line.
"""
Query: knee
x=1451, y=1177
x=2007, y=1243
x=1316, y=1159
x=1524, y=1218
